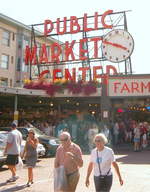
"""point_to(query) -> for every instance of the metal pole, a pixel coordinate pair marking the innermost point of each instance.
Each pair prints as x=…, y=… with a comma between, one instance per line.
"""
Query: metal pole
x=16, y=98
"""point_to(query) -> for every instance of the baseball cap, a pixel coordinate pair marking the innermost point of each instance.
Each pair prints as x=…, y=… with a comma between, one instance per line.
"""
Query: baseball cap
x=13, y=125
x=31, y=131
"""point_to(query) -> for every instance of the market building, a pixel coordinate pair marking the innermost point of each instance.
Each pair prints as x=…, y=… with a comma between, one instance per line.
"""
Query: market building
x=29, y=54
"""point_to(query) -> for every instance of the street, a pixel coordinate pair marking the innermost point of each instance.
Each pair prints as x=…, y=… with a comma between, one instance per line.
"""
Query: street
x=134, y=168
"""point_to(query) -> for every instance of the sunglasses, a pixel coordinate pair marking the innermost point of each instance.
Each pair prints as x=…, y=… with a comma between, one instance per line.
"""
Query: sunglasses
x=64, y=139
x=98, y=140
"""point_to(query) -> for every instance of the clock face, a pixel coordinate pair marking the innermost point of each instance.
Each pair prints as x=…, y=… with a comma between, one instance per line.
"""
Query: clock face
x=117, y=45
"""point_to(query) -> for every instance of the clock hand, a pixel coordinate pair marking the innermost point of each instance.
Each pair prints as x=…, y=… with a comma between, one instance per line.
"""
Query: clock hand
x=115, y=44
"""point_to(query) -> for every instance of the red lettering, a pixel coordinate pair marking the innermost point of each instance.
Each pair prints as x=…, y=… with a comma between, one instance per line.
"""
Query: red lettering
x=116, y=87
x=84, y=69
x=68, y=76
x=31, y=56
x=85, y=29
x=134, y=86
x=95, y=45
x=58, y=26
x=96, y=20
x=55, y=56
x=95, y=76
x=74, y=23
x=108, y=67
x=125, y=88
x=43, y=51
x=145, y=86
x=103, y=18
x=43, y=72
x=54, y=74
x=68, y=50
x=45, y=27
x=82, y=50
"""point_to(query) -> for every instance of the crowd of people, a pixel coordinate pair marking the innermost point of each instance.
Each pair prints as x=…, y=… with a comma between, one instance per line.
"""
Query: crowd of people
x=72, y=135
x=68, y=159
x=129, y=130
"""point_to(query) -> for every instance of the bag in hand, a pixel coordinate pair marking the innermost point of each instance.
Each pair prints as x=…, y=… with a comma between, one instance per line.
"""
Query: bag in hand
x=102, y=180
x=60, y=180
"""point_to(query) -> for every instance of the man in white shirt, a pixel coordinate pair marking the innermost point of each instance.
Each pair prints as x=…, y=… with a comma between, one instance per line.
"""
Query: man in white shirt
x=12, y=151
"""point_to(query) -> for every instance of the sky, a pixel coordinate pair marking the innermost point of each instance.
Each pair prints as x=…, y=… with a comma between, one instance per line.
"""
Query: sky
x=35, y=11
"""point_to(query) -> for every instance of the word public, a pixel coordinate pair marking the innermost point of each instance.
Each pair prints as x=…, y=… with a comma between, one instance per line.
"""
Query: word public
x=31, y=57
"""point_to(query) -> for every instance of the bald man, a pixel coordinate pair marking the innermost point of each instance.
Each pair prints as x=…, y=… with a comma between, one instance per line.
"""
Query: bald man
x=69, y=155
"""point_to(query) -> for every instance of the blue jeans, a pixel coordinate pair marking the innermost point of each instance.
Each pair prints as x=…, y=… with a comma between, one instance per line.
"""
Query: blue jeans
x=116, y=138
x=107, y=186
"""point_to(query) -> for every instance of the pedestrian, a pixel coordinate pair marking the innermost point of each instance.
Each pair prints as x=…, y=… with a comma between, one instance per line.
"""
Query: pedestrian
x=144, y=135
x=69, y=155
x=137, y=133
x=12, y=151
x=101, y=159
x=74, y=132
x=105, y=131
x=31, y=154
x=90, y=138
x=116, y=132
x=47, y=129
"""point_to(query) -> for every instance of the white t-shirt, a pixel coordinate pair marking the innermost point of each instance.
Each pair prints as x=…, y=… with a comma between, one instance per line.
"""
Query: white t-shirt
x=47, y=131
x=105, y=158
x=15, y=138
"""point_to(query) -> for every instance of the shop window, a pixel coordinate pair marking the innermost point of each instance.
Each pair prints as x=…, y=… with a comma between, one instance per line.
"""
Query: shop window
x=5, y=61
x=4, y=82
x=6, y=38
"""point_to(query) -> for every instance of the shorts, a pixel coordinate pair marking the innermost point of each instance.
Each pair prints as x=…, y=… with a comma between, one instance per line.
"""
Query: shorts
x=128, y=134
x=137, y=140
x=12, y=160
x=144, y=137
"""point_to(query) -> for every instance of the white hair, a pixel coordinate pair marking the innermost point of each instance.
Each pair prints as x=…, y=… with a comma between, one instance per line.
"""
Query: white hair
x=102, y=136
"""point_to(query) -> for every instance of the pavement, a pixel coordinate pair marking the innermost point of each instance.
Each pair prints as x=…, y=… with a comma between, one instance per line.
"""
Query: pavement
x=134, y=168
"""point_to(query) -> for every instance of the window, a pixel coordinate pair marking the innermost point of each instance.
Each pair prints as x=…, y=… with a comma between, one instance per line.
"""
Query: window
x=24, y=67
x=13, y=36
x=4, y=62
x=18, y=65
x=10, y=82
x=12, y=59
x=4, y=82
x=6, y=38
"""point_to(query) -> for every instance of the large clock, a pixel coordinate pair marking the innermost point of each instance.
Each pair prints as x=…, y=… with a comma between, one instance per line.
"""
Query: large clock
x=117, y=45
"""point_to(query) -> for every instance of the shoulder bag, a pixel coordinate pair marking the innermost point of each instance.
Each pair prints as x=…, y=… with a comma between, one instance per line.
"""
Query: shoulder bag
x=102, y=178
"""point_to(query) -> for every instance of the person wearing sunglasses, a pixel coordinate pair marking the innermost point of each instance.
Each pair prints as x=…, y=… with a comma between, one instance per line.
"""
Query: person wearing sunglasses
x=101, y=159
x=69, y=155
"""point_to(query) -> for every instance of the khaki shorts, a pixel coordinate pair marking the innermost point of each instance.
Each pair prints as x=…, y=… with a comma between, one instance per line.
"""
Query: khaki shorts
x=72, y=180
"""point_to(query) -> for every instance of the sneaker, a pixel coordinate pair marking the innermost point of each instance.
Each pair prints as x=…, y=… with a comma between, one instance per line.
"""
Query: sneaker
x=10, y=180
x=28, y=184
x=32, y=182
x=15, y=177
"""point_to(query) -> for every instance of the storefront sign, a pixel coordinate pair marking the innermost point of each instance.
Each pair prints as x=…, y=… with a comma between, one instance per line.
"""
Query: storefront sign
x=129, y=87
x=73, y=28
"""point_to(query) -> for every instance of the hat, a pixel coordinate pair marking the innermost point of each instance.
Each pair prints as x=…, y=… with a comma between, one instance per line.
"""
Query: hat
x=13, y=125
x=31, y=131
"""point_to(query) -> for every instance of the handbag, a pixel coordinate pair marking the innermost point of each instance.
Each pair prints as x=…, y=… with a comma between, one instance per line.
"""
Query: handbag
x=20, y=164
x=60, y=179
x=102, y=178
